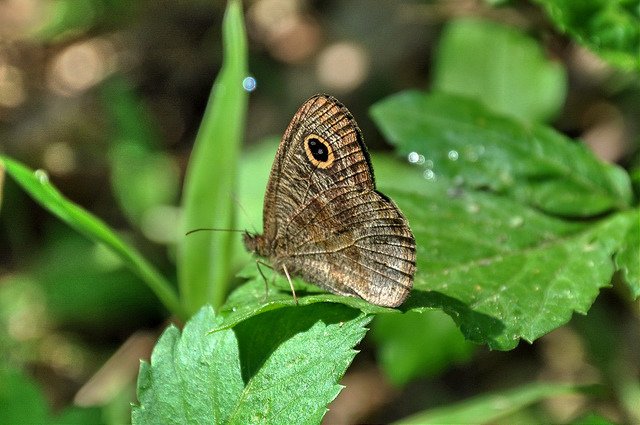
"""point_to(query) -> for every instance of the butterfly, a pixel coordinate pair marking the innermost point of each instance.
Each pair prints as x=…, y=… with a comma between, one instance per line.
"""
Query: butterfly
x=324, y=220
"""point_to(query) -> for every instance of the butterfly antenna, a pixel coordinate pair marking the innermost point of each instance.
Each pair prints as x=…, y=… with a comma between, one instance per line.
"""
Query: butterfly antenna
x=212, y=229
x=246, y=215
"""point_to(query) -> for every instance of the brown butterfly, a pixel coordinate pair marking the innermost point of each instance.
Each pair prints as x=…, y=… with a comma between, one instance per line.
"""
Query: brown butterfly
x=323, y=218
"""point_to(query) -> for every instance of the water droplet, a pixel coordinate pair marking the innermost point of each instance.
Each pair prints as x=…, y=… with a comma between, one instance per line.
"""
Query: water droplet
x=516, y=221
x=413, y=157
x=42, y=176
x=453, y=155
x=429, y=174
x=428, y=163
x=249, y=84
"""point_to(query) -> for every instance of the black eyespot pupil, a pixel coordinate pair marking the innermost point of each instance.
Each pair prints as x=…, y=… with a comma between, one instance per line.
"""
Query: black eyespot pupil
x=318, y=150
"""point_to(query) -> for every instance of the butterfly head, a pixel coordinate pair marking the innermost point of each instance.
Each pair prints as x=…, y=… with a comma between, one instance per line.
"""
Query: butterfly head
x=256, y=244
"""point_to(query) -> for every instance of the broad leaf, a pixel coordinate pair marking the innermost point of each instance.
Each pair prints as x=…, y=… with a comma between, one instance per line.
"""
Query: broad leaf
x=512, y=77
x=279, y=367
x=503, y=271
x=453, y=137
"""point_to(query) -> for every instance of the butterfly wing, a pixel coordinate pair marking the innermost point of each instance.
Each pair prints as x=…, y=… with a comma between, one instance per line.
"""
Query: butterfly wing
x=353, y=242
x=297, y=177
x=325, y=221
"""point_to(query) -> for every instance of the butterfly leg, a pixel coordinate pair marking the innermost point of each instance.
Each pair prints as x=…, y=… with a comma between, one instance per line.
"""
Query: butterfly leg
x=293, y=291
x=266, y=285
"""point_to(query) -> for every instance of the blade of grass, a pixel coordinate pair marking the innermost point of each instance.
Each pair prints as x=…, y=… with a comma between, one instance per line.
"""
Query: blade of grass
x=37, y=185
x=491, y=407
x=204, y=259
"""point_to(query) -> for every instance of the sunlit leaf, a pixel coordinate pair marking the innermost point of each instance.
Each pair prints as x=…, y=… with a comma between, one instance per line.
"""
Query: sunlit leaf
x=275, y=368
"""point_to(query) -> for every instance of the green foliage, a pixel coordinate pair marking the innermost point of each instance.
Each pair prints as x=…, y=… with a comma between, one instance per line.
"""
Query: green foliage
x=511, y=77
x=517, y=228
x=204, y=260
x=611, y=28
x=281, y=368
x=461, y=140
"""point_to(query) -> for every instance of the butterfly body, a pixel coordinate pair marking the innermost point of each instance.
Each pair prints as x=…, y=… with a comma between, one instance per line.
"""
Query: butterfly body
x=323, y=219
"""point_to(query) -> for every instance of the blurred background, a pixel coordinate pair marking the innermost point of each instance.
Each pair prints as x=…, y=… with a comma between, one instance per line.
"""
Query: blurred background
x=107, y=96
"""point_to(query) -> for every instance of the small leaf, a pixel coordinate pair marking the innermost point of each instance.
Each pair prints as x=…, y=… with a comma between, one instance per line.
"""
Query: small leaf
x=37, y=185
x=276, y=368
x=609, y=28
x=491, y=407
x=461, y=140
x=512, y=77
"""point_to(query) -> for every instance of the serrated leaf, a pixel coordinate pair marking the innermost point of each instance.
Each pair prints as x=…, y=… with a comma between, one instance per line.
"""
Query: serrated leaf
x=504, y=271
x=279, y=367
x=609, y=28
x=491, y=407
x=628, y=258
x=37, y=185
x=512, y=77
x=461, y=140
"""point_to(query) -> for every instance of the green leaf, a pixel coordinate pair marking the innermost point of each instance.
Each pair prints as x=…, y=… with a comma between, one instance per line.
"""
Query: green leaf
x=489, y=408
x=628, y=258
x=205, y=259
x=277, y=368
x=512, y=77
x=414, y=345
x=611, y=28
x=457, y=138
x=37, y=185
x=504, y=271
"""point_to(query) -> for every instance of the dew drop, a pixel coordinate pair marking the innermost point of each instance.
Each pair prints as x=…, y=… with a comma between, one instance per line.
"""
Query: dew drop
x=453, y=155
x=249, y=84
x=413, y=157
x=428, y=163
x=42, y=176
x=429, y=174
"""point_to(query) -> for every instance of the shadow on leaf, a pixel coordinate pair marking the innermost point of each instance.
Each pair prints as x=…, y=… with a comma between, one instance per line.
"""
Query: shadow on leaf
x=261, y=335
